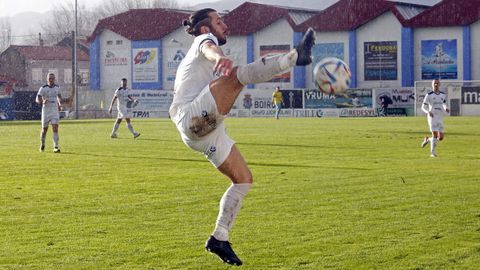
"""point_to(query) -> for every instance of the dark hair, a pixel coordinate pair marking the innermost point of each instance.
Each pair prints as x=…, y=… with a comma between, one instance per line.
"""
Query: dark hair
x=198, y=19
x=123, y=79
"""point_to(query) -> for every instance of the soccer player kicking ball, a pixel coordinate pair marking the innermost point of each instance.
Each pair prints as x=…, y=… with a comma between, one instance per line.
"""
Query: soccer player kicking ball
x=124, y=107
x=50, y=98
x=206, y=87
x=435, y=106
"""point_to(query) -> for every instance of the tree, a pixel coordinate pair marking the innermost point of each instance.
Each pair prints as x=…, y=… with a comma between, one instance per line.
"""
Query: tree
x=5, y=33
x=111, y=7
x=62, y=21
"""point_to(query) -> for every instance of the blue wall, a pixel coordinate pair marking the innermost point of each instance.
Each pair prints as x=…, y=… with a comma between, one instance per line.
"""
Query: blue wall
x=407, y=65
x=467, y=53
x=352, y=57
x=250, y=53
x=95, y=64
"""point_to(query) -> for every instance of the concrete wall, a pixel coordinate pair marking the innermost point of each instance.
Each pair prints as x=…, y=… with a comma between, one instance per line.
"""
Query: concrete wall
x=386, y=27
x=278, y=33
x=115, y=60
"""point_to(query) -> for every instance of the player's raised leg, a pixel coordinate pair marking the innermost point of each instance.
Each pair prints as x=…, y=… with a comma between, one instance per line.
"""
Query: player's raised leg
x=226, y=89
x=264, y=69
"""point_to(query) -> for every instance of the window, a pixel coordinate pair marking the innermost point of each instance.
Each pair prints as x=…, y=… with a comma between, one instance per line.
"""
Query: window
x=37, y=75
x=67, y=75
x=119, y=42
x=109, y=42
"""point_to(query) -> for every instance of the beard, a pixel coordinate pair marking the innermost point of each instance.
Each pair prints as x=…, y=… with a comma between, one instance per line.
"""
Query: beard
x=222, y=41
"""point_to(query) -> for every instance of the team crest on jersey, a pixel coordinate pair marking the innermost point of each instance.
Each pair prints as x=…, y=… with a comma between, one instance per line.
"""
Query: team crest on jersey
x=210, y=151
x=247, y=101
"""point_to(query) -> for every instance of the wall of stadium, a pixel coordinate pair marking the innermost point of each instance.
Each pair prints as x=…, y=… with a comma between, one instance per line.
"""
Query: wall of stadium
x=115, y=61
x=235, y=49
x=385, y=28
x=279, y=33
x=175, y=47
x=428, y=37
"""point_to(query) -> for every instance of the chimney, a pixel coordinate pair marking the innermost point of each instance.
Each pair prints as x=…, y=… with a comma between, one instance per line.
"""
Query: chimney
x=40, y=40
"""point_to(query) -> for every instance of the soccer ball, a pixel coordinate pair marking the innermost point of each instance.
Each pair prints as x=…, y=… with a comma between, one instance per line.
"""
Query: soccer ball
x=332, y=75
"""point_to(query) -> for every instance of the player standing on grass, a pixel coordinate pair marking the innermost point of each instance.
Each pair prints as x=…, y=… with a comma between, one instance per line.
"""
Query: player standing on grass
x=50, y=98
x=124, y=107
x=277, y=100
x=435, y=106
x=206, y=87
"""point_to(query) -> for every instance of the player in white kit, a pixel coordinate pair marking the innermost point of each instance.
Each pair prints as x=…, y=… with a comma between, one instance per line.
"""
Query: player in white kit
x=124, y=107
x=435, y=106
x=206, y=87
x=50, y=98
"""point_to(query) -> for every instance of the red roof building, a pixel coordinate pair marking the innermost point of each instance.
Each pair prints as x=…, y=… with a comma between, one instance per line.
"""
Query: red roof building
x=142, y=24
x=250, y=17
x=448, y=13
x=347, y=15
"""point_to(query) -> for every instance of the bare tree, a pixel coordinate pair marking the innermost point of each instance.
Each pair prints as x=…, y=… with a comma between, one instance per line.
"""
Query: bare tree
x=5, y=33
x=62, y=20
x=111, y=7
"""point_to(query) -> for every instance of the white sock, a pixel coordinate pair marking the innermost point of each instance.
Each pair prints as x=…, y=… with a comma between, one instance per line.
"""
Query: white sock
x=433, y=144
x=130, y=127
x=264, y=69
x=55, y=139
x=115, y=127
x=230, y=205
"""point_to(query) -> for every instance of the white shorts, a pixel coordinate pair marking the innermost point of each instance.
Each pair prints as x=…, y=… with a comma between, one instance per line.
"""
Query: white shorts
x=124, y=112
x=50, y=118
x=202, y=129
x=436, y=124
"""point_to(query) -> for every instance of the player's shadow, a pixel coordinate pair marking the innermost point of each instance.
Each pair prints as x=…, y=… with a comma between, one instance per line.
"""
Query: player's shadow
x=262, y=164
x=134, y=157
x=285, y=145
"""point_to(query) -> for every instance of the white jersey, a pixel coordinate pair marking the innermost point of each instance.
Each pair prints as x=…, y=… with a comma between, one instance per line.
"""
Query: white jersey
x=194, y=72
x=436, y=104
x=122, y=98
x=50, y=94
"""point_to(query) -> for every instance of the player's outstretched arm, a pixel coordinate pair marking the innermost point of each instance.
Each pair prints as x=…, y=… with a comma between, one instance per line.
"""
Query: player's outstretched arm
x=223, y=65
x=111, y=104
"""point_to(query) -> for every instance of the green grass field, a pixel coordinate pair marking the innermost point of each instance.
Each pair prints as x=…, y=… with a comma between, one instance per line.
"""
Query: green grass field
x=327, y=194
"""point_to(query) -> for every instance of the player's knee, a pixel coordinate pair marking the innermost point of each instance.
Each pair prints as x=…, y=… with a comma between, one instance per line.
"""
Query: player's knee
x=248, y=177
